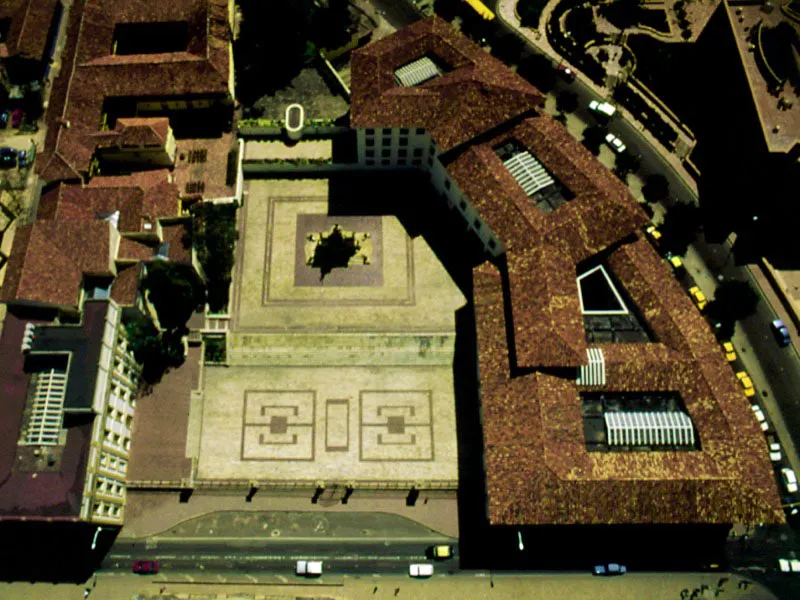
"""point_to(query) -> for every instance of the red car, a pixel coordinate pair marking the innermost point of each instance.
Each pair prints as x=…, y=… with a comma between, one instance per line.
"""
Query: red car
x=566, y=73
x=16, y=117
x=145, y=567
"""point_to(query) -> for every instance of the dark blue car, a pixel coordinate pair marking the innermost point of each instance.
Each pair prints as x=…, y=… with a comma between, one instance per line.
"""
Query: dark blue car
x=8, y=158
x=781, y=333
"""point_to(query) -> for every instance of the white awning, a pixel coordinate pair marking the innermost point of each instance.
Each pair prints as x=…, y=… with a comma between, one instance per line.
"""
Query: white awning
x=528, y=172
x=416, y=72
x=595, y=372
x=649, y=429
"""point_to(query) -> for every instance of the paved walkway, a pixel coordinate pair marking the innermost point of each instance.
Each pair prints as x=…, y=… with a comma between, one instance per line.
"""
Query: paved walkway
x=472, y=586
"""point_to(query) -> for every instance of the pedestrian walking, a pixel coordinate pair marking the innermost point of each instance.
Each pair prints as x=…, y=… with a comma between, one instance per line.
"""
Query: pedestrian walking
x=161, y=589
x=396, y=591
x=375, y=589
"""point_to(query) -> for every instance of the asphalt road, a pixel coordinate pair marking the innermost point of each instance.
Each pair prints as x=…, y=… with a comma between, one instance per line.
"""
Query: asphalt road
x=398, y=13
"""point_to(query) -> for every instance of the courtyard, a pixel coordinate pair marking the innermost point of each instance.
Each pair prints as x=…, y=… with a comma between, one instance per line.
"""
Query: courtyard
x=342, y=377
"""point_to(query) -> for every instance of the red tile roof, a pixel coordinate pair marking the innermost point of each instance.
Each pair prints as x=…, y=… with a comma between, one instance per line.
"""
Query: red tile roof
x=136, y=132
x=30, y=24
x=477, y=93
x=140, y=197
x=125, y=288
x=49, y=258
x=538, y=469
x=90, y=74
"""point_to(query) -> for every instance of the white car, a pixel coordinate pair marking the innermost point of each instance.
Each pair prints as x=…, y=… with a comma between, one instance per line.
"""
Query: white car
x=420, y=570
x=309, y=567
x=604, y=108
x=789, y=480
x=774, y=449
x=615, y=143
x=762, y=420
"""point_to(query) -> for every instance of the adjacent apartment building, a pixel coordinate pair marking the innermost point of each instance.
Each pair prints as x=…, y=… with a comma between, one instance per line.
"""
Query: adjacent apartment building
x=604, y=397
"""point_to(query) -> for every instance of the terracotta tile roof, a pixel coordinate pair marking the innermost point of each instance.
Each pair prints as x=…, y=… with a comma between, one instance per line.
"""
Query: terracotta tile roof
x=125, y=288
x=49, y=258
x=528, y=316
x=30, y=24
x=134, y=250
x=176, y=235
x=477, y=93
x=136, y=132
x=90, y=74
x=140, y=197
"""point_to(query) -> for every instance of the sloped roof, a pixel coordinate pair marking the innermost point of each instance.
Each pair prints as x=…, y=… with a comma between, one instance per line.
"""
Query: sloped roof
x=48, y=260
x=90, y=74
x=136, y=132
x=140, y=197
x=477, y=92
x=30, y=23
x=125, y=288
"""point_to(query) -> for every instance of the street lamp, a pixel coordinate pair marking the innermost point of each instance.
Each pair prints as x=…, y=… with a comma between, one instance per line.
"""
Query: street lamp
x=519, y=537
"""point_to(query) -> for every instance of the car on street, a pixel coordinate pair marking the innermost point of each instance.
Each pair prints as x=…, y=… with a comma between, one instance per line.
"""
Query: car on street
x=730, y=351
x=604, y=109
x=4, y=119
x=781, y=333
x=420, y=570
x=676, y=262
x=789, y=480
x=698, y=297
x=615, y=143
x=774, y=448
x=8, y=158
x=442, y=551
x=22, y=159
x=762, y=420
x=566, y=73
x=747, y=384
x=610, y=569
x=145, y=567
x=653, y=233
x=309, y=568
x=16, y=117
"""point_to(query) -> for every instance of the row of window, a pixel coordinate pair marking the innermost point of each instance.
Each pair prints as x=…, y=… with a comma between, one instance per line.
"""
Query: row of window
x=118, y=440
x=401, y=152
x=402, y=162
x=109, y=487
x=109, y=462
x=107, y=509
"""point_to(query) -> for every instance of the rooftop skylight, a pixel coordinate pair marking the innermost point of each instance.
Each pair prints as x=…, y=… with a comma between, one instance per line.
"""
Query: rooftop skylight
x=417, y=71
x=535, y=180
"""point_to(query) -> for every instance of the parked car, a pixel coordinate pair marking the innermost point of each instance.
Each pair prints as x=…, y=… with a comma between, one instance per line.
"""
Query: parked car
x=566, y=73
x=420, y=570
x=698, y=297
x=676, y=262
x=747, y=384
x=615, y=143
x=309, y=568
x=610, y=569
x=4, y=119
x=604, y=109
x=8, y=158
x=22, y=159
x=442, y=551
x=774, y=448
x=16, y=117
x=653, y=233
x=781, y=333
x=789, y=480
x=730, y=351
x=762, y=420
x=145, y=567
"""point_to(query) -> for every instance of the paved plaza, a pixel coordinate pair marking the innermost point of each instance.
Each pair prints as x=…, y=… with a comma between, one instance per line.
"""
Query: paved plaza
x=337, y=378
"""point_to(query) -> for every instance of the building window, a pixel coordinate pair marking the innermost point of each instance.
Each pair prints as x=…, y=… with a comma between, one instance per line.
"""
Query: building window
x=387, y=131
x=369, y=131
x=385, y=162
x=370, y=162
x=430, y=161
x=386, y=153
x=402, y=152
x=463, y=205
x=371, y=153
x=370, y=141
x=420, y=131
x=387, y=141
x=417, y=162
x=418, y=152
x=447, y=184
x=492, y=243
x=401, y=161
x=403, y=131
x=404, y=141
x=477, y=224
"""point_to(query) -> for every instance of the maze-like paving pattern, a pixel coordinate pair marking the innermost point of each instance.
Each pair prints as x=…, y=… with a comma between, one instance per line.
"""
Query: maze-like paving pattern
x=278, y=425
x=396, y=425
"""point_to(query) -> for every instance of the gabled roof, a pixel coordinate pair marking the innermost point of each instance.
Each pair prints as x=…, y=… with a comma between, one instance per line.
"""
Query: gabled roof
x=140, y=198
x=90, y=73
x=476, y=93
x=136, y=132
x=48, y=260
x=30, y=24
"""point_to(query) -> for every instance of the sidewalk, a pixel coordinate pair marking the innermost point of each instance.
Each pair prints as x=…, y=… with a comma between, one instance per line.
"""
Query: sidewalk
x=468, y=586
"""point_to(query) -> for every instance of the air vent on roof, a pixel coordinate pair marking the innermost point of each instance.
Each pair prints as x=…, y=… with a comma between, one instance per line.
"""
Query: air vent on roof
x=198, y=156
x=195, y=187
x=416, y=72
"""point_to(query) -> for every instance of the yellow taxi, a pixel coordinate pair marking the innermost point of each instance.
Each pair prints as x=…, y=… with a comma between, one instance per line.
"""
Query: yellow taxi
x=730, y=352
x=747, y=383
x=698, y=297
x=442, y=551
x=653, y=232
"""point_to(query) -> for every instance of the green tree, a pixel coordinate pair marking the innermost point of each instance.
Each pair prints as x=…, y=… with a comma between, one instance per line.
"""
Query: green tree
x=625, y=164
x=567, y=102
x=155, y=351
x=734, y=300
x=593, y=136
x=530, y=11
x=215, y=238
x=682, y=222
x=656, y=188
x=539, y=71
x=174, y=291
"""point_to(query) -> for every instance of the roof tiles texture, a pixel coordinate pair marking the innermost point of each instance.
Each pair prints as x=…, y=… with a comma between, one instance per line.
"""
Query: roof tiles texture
x=90, y=73
x=30, y=24
x=538, y=468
